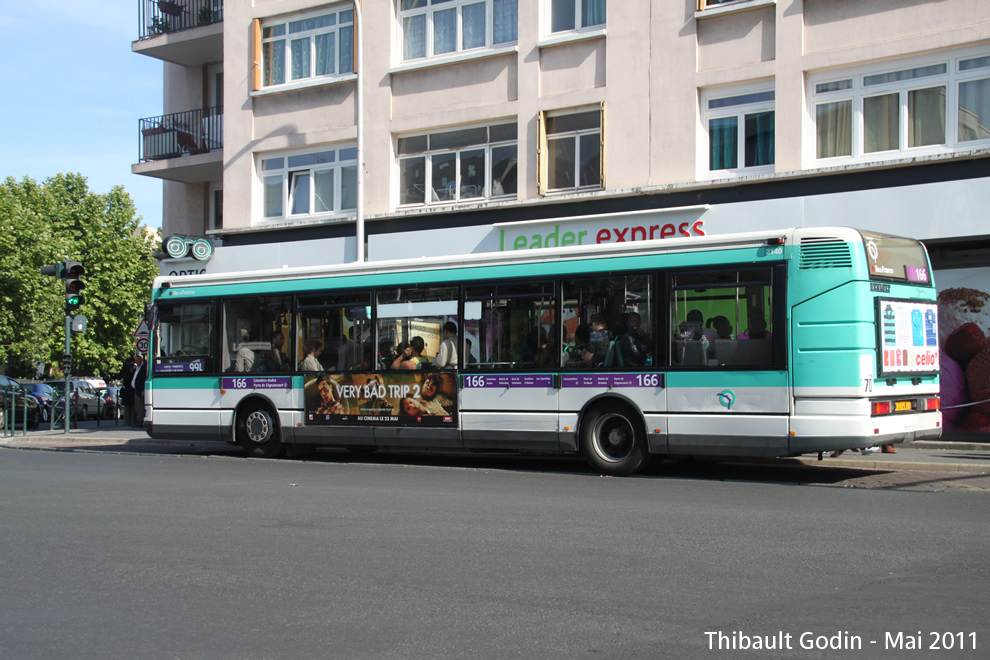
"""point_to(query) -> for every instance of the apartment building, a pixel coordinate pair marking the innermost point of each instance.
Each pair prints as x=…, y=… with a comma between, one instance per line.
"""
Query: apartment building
x=483, y=125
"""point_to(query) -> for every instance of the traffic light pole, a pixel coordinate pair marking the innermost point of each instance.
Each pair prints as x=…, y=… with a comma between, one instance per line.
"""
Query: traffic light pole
x=68, y=371
x=72, y=272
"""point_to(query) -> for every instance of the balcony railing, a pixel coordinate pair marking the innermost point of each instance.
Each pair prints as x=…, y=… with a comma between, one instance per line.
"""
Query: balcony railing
x=157, y=17
x=181, y=134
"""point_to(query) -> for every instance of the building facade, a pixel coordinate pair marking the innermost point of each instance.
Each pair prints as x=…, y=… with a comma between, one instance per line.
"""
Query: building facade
x=514, y=124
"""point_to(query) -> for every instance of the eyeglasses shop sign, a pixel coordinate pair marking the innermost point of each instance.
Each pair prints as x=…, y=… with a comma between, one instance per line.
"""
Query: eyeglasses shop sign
x=186, y=267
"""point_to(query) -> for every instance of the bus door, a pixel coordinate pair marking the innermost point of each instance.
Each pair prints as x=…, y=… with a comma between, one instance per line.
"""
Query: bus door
x=510, y=355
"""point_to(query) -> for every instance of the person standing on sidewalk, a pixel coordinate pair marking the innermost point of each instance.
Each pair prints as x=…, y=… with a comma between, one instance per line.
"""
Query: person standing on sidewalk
x=137, y=383
x=127, y=391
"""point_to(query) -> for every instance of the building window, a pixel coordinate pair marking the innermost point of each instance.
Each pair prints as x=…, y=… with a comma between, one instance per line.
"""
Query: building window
x=468, y=164
x=309, y=47
x=571, y=15
x=433, y=28
x=931, y=106
x=574, y=148
x=216, y=206
x=740, y=131
x=314, y=183
x=708, y=4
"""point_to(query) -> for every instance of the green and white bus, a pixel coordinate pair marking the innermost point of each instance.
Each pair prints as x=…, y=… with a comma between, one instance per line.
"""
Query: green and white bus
x=754, y=344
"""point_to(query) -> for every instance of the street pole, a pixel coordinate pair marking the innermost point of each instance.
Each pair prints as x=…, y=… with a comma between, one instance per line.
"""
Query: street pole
x=68, y=368
x=359, y=219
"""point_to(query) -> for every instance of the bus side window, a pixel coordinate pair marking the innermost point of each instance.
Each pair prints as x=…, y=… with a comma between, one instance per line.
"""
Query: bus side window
x=608, y=322
x=515, y=326
x=707, y=308
x=407, y=313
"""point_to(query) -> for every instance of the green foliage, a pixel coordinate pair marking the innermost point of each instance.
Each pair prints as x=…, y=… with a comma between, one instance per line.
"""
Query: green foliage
x=42, y=224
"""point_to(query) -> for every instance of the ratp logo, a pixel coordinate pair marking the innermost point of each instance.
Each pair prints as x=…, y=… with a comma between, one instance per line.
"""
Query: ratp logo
x=871, y=247
x=726, y=398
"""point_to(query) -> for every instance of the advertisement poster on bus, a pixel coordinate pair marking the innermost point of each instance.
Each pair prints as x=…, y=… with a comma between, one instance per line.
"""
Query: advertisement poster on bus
x=909, y=337
x=964, y=337
x=400, y=398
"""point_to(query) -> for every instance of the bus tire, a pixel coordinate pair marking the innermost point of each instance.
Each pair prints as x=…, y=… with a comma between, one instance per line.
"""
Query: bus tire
x=257, y=431
x=613, y=440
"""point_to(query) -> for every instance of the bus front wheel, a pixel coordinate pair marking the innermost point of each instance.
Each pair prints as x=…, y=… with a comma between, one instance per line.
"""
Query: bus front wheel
x=613, y=441
x=258, y=432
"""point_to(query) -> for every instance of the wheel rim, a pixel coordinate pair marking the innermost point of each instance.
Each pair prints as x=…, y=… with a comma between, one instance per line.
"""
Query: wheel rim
x=613, y=438
x=258, y=427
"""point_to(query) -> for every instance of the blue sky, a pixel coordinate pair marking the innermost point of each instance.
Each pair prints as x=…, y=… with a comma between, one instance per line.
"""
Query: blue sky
x=74, y=92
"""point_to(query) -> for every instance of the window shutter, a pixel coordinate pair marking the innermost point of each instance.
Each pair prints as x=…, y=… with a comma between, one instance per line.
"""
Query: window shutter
x=601, y=148
x=541, y=152
x=256, y=54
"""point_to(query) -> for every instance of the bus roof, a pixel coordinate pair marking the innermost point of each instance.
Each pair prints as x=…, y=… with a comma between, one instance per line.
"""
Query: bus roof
x=422, y=264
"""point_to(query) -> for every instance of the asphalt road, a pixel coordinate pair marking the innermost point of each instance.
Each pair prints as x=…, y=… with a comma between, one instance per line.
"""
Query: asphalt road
x=167, y=556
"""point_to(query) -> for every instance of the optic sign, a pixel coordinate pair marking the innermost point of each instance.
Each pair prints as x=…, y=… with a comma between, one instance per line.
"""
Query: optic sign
x=178, y=247
x=908, y=337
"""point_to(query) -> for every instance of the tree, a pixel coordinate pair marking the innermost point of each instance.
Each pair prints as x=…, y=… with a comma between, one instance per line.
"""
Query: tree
x=58, y=219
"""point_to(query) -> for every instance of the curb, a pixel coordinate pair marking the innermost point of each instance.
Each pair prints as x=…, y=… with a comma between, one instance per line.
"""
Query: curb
x=948, y=444
x=888, y=466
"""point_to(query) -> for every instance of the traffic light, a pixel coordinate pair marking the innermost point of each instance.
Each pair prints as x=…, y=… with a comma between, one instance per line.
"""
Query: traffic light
x=73, y=272
x=55, y=270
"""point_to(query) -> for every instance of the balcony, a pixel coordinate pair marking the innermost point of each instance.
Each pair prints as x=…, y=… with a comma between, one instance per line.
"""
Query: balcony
x=182, y=146
x=186, y=32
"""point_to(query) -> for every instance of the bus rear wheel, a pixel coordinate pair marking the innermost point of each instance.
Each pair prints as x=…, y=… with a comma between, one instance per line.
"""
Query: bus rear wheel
x=613, y=441
x=257, y=431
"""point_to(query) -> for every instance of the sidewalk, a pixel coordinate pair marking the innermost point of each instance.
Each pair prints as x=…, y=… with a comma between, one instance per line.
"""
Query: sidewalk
x=106, y=437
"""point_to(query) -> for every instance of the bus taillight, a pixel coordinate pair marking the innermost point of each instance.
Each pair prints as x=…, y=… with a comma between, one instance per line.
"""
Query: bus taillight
x=881, y=407
x=932, y=403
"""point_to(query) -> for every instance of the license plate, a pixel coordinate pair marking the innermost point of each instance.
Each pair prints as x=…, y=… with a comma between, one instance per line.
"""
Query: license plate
x=902, y=405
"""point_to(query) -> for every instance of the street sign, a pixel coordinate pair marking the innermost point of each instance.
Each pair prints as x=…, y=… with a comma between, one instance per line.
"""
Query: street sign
x=142, y=345
x=142, y=330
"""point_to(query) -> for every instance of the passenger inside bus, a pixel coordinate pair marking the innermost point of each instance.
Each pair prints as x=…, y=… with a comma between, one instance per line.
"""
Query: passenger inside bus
x=244, y=357
x=313, y=349
x=757, y=327
x=412, y=356
x=582, y=354
x=633, y=342
x=273, y=356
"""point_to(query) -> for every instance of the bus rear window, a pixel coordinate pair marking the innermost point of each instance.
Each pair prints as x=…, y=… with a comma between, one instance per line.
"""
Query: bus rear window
x=900, y=259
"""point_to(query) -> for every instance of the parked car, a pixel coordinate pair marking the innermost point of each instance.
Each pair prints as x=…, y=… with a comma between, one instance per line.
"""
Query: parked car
x=111, y=401
x=85, y=401
x=96, y=383
x=46, y=396
x=12, y=391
